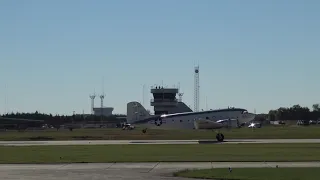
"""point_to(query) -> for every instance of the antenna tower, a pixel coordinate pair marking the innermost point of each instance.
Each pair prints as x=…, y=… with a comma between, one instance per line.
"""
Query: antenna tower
x=143, y=95
x=180, y=96
x=5, y=99
x=101, y=100
x=196, y=89
x=101, y=107
x=92, y=97
x=206, y=103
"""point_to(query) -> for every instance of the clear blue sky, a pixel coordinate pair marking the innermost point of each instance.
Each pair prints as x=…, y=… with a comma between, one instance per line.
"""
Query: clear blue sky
x=252, y=54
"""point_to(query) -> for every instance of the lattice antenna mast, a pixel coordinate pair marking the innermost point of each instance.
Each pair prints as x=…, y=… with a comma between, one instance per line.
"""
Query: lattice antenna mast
x=92, y=97
x=180, y=96
x=5, y=100
x=143, y=95
x=206, y=103
x=196, y=89
x=101, y=100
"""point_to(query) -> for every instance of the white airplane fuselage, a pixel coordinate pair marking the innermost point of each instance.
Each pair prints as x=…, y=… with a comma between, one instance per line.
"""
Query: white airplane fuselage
x=213, y=119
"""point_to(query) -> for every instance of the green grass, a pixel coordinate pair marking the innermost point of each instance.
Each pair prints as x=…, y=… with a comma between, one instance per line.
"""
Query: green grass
x=118, y=134
x=160, y=153
x=253, y=174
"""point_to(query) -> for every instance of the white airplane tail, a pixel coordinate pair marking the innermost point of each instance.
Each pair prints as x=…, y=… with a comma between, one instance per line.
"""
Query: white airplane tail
x=136, y=112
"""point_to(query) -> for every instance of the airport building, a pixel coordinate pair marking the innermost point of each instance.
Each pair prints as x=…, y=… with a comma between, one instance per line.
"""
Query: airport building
x=105, y=111
x=165, y=101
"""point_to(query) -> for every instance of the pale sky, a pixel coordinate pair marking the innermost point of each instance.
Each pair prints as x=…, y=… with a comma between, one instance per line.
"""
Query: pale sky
x=252, y=54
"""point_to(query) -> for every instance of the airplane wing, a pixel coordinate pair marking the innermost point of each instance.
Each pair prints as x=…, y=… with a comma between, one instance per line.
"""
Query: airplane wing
x=225, y=120
x=206, y=124
x=229, y=122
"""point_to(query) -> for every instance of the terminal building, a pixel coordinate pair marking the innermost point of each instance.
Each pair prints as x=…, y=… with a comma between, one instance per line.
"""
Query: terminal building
x=105, y=111
x=165, y=101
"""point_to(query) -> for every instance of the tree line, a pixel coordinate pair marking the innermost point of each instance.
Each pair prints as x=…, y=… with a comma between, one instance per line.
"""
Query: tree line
x=63, y=119
x=296, y=112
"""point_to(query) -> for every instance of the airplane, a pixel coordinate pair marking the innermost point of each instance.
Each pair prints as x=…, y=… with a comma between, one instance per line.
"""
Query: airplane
x=212, y=119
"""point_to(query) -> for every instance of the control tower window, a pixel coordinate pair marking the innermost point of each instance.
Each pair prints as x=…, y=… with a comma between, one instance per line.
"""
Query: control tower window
x=170, y=96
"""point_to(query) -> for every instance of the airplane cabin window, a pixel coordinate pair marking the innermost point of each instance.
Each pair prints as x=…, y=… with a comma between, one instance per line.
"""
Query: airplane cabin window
x=180, y=120
x=207, y=117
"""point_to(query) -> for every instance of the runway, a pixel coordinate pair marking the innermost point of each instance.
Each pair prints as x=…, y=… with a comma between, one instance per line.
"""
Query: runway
x=124, y=171
x=132, y=171
x=108, y=142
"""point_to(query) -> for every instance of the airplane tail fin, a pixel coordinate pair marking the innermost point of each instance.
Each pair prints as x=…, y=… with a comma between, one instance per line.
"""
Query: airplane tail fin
x=136, y=112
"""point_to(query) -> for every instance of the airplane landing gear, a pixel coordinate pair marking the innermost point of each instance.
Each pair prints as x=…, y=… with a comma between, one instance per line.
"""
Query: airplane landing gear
x=220, y=137
x=144, y=131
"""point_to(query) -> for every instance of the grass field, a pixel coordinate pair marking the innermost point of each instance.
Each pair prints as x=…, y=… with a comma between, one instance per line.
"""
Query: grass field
x=119, y=134
x=253, y=174
x=160, y=153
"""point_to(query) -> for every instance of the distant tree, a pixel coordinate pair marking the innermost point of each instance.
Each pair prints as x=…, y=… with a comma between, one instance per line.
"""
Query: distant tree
x=272, y=115
x=296, y=112
x=316, y=107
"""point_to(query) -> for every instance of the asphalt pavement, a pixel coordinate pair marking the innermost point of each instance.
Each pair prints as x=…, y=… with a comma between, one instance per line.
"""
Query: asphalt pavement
x=128, y=171
x=124, y=171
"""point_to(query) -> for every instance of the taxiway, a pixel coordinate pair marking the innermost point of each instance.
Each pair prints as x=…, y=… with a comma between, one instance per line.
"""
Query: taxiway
x=108, y=142
x=131, y=171
x=124, y=171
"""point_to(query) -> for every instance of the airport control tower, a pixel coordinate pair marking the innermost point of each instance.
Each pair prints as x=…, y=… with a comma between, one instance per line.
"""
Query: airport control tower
x=165, y=102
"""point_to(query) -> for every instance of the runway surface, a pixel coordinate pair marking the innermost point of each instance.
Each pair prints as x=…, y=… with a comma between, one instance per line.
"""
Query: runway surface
x=105, y=142
x=124, y=171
